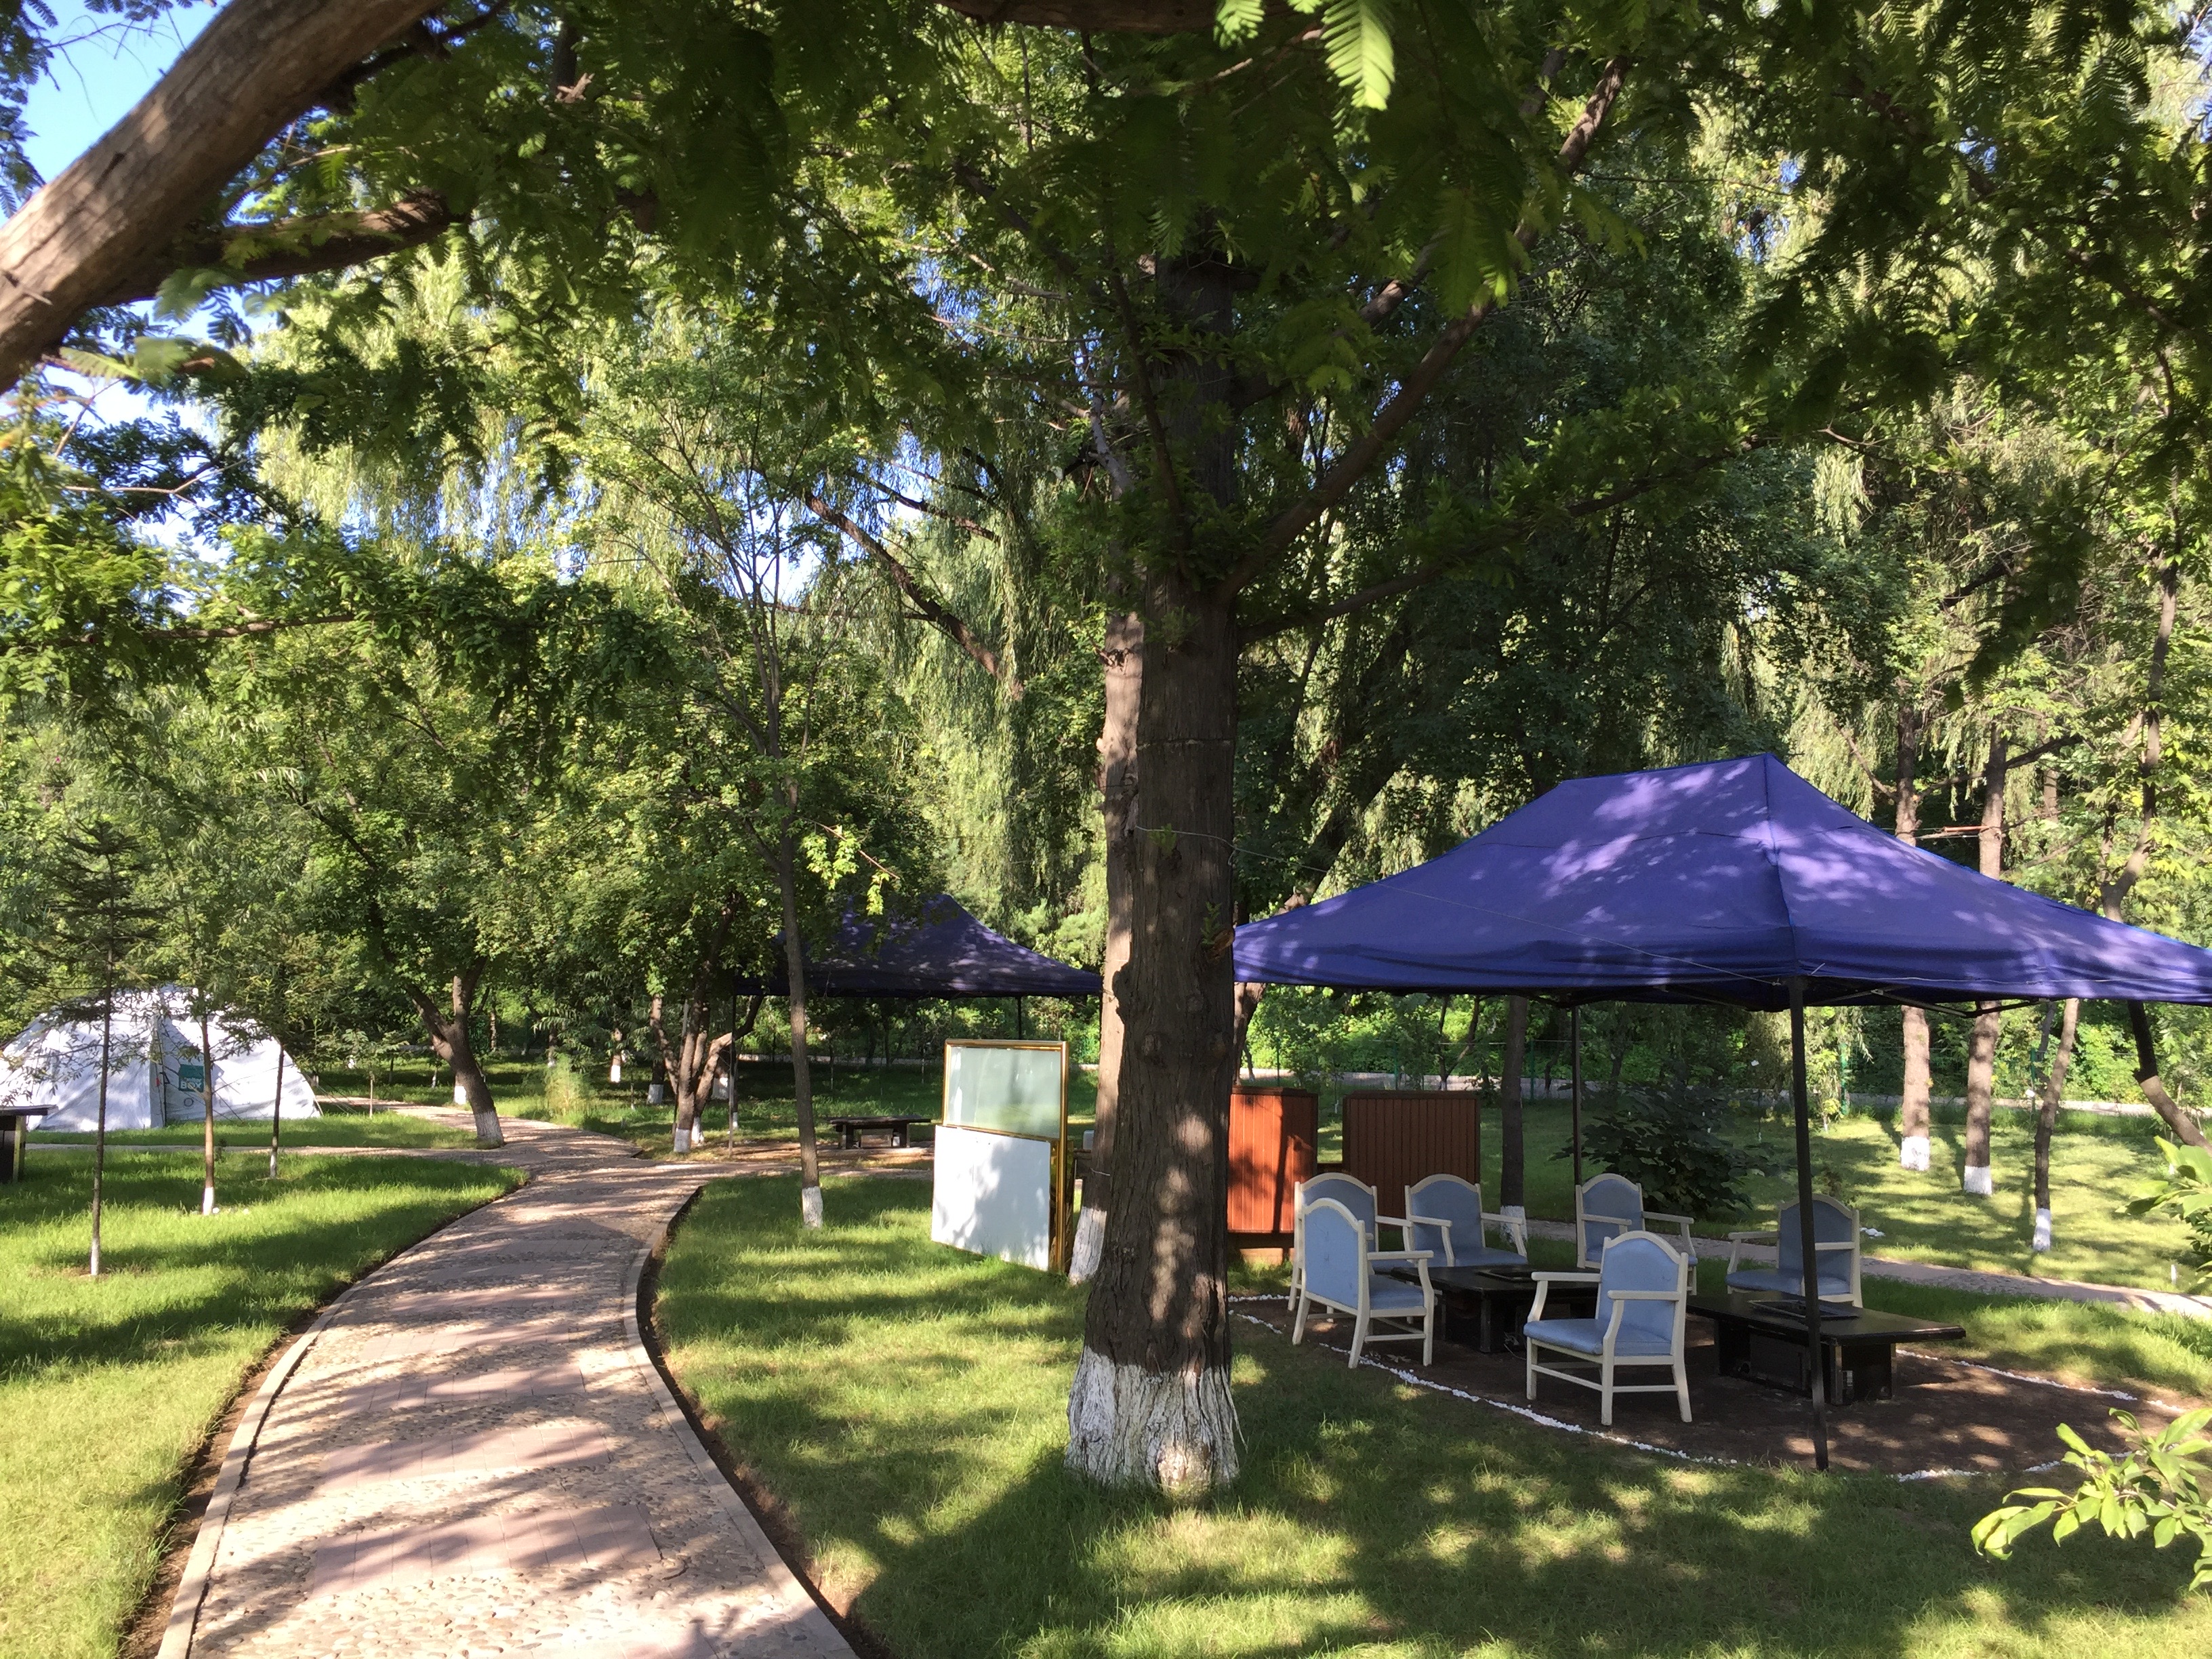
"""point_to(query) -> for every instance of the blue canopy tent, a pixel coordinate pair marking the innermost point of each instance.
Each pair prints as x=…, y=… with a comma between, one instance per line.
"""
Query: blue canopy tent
x=938, y=949
x=1733, y=882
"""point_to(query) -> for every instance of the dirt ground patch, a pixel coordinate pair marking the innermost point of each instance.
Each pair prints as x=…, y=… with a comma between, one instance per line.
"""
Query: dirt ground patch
x=1943, y=1416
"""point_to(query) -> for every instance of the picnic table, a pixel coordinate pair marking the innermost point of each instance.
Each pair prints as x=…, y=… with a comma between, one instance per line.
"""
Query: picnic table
x=850, y=1129
x=1762, y=1338
x=15, y=1136
x=1485, y=1307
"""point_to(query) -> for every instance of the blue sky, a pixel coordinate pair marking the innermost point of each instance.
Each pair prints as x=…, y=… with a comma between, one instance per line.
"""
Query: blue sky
x=100, y=75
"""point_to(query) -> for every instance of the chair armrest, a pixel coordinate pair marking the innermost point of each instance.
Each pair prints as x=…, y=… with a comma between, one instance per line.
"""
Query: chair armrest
x=1755, y=1236
x=1390, y=1221
x=1565, y=1278
x=1836, y=1244
x=1661, y=1215
x=1401, y=1255
x=1516, y=1228
x=1427, y=1221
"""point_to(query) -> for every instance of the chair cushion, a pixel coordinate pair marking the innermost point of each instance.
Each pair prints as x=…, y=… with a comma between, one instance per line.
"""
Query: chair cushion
x=1587, y=1336
x=1772, y=1281
x=1392, y=1295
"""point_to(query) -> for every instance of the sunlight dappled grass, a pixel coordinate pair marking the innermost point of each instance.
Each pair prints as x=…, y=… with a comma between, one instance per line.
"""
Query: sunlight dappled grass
x=907, y=1404
x=106, y=1386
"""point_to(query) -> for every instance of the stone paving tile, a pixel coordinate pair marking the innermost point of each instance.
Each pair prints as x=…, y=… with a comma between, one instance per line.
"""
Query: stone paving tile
x=472, y=1456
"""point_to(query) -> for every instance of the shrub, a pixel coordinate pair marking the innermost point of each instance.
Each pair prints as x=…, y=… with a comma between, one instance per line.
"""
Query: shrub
x=1670, y=1140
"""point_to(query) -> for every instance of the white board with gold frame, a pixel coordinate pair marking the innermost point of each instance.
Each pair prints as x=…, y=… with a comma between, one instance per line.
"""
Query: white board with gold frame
x=1000, y=1151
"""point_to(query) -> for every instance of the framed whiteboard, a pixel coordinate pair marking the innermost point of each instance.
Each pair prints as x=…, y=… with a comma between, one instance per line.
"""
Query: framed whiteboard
x=993, y=1195
x=1000, y=1158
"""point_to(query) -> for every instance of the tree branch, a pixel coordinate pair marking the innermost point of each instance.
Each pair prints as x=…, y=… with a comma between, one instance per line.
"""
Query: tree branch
x=256, y=67
x=1498, y=536
x=1413, y=391
x=289, y=247
x=931, y=611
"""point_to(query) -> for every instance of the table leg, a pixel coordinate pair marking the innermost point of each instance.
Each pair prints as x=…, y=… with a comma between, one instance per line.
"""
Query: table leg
x=1732, y=1347
x=898, y=1136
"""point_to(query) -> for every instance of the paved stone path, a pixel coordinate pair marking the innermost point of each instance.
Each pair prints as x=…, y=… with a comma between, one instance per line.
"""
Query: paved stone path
x=471, y=1453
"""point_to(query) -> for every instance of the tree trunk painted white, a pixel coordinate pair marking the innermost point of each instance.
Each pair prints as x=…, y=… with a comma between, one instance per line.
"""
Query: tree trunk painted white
x=1130, y=1426
x=206, y=1117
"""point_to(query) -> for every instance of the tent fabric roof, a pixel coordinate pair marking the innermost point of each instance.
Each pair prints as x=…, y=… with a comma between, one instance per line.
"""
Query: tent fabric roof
x=1717, y=882
x=940, y=951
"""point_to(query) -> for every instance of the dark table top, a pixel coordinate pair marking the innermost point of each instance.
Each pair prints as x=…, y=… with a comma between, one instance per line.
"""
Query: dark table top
x=1863, y=1324
x=1488, y=1281
x=871, y=1122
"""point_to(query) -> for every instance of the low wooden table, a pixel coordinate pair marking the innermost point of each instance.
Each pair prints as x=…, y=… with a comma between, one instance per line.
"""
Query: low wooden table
x=1755, y=1336
x=850, y=1129
x=1485, y=1308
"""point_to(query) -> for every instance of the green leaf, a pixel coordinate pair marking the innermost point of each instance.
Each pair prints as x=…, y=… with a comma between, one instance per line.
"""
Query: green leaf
x=1236, y=20
x=1356, y=33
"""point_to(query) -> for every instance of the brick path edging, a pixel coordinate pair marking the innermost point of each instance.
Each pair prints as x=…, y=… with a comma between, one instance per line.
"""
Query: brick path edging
x=191, y=1589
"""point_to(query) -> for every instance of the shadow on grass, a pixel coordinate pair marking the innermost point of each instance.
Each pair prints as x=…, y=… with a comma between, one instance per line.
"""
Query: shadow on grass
x=907, y=1404
x=176, y=1284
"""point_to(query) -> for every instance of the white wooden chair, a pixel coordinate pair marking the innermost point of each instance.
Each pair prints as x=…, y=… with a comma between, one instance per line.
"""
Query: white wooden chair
x=1339, y=1274
x=1643, y=1311
x=1445, y=1216
x=1610, y=1206
x=1355, y=1194
x=1835, y=1254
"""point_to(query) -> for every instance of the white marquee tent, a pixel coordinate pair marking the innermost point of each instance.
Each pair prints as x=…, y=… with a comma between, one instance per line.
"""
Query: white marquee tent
x=156, y=1073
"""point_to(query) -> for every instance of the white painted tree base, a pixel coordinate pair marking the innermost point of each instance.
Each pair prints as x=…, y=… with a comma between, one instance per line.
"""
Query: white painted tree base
x=653, y=1094
x=698, y=1135
x=1128, y=1427
x=207, y=1200
x=1912, y=1152
x=810, y=1206
x=1089, y=1244
x=460, y=1094
x=487, y=1133
x=1979, y=1180
x=2042, y=1231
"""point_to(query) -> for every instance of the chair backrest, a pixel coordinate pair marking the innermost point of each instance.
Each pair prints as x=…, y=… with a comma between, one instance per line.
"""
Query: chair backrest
x=1643, y=1261
x=1606, y=1206
x=1456, y=1202
x=1833, y=1223
x=1335, y=1251
x=1354, y=1195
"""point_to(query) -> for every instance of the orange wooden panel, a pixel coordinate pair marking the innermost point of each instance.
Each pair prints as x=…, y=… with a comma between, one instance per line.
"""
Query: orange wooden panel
x=1394, y=1137
x=1272, y=1135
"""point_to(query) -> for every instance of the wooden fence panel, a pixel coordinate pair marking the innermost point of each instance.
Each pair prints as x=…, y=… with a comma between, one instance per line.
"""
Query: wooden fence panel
x=1272, y=1136
x=1394, y=1137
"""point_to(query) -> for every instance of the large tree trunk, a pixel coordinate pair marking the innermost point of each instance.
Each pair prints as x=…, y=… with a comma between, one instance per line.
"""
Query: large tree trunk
x=1989, y=1023
x=1123, y=655
x=1512, y=1149
x=802, y=1083
x=1912, y=1108
x=92, y=231
x=2054, y=1091
x=448, y=1030
x=1151, y=1404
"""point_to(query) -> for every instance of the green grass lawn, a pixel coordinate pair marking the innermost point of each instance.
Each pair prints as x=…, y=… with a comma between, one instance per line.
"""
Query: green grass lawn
x=907, y=1404
x=107, y=1386
x=332, y=1129
x=2096, y=1164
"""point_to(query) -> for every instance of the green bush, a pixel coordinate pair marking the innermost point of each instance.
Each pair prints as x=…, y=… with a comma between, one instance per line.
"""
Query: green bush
x=1671, y=1139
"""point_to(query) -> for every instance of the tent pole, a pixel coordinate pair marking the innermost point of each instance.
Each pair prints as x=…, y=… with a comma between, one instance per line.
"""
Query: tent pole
x=1816, y=1369
x=1018, y=1032
x=1575, y=1118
